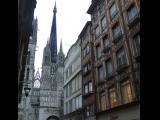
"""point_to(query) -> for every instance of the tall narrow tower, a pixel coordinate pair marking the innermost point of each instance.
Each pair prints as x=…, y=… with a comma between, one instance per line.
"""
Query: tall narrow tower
x=53, y=37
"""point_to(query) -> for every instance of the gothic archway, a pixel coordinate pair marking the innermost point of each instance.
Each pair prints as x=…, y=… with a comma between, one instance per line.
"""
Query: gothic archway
x=52, y=118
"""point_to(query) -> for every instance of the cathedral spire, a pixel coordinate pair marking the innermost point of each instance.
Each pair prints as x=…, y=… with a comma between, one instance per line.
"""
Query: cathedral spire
x=53, y=37
x=55, y=9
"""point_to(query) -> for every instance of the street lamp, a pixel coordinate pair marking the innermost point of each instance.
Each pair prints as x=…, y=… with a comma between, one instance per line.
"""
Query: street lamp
x=27, y=90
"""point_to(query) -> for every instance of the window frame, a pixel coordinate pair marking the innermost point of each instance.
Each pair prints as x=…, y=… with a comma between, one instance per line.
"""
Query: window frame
x=112, y=16
x=124, y=90
x=130, y=11
x=98, y=51
x=116, y=26
x=120, y=56
x=112, y=97
x=107, y=67
x=98, y=68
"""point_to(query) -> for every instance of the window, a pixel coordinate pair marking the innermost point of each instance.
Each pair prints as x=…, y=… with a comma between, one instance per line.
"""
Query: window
x=73, y=104
x=121, y=58
x=112, y=97
x=116, y=30
x=103, y=23
x=102, y=101
x=100, y=73
x=70, y=88
x=77, y=106
x=105, y=41
x=70, y=70
x=86, y=68
x=132, y=12
x=90, y=87
x=73, y=86
x=97, y=31
x=136, y=41
x=101, y=6
x=86, y=51
x=126, y=92
x=89, y=110
x=98, y=51
x=113, y=11
x=70, y=106
x=67, y=91
x=86, y=88
x=78, y=101
x=76, y=79
x=67, y=108
x=109, y=67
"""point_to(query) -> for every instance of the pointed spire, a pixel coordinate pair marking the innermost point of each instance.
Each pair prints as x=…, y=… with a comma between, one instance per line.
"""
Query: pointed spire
x=37, y=76
x=53, y=37
x=55, y=9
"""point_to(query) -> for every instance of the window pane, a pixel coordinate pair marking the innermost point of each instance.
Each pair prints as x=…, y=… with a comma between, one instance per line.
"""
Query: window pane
x=90, y=87
x=98, y=51
x=121, y=58
x=126, y=92
x=103, y=101
x=80, y=101
x=136, y=40
x=73, y=104
x=103, y=23
x=97, y=31
x=112, y=97
x=86, y=89
x=77, y=106
x=132, y=12
x=100, y=73
x=113, y=11
x=116, y=30
x=109, y=67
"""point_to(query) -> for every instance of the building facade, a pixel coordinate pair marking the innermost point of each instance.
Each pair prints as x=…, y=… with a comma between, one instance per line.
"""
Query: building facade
x=87, y=63
x=73, y=83
x=25, y=30
x=116, y=39
x=35, y=97
x=51, y=82
x=25, y=106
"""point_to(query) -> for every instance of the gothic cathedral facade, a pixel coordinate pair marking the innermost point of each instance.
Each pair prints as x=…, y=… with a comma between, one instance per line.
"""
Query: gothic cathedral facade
x=51, y=82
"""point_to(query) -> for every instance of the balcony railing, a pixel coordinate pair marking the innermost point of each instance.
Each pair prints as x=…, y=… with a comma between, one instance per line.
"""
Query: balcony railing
x=109, y=76
x=122, y=67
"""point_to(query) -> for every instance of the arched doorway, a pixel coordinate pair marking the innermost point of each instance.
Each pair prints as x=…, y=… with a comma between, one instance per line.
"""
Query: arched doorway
x=52, y=118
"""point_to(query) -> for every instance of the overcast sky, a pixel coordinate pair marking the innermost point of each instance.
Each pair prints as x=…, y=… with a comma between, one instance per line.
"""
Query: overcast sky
x=71, y=18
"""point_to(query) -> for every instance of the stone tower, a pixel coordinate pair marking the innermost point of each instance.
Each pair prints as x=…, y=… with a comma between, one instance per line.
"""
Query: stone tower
x=51, y=89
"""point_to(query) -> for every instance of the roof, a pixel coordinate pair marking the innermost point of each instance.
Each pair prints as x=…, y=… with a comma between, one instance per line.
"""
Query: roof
x=84, y=28
x=92, y=6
